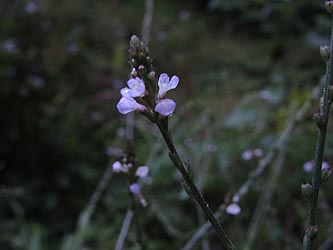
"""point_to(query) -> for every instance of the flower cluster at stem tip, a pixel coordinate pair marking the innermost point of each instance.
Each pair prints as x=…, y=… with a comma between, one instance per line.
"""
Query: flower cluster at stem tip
x=137, y=89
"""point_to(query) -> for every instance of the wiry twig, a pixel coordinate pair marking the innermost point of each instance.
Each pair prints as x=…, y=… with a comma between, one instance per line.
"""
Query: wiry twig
x=124, y=230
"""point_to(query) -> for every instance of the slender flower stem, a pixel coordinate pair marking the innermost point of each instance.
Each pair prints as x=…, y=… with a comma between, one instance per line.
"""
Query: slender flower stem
x=311, y=228
x=124, y=230
x=194, y=191
x=136, y=219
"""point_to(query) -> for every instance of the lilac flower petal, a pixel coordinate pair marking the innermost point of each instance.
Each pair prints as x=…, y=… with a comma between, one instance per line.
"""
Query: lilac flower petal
x=247, y=155
x=308, y=166
x=163, y=80
x=128, y=104
x=258, y=152
x=116, y=167
x=136, y=88
x=325, y=166
x=165, y=84
x=233, y=209
x=126, y=92
x=165, y=107
x=142, y=171
x=135, y=189
x=173, y=82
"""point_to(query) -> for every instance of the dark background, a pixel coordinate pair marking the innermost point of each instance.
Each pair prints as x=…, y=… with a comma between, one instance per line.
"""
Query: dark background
x=62, y=64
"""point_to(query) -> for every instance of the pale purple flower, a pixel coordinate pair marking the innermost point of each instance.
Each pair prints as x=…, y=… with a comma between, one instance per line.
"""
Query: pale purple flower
x=233, y=209
x=165, y=107
x=309, y=165
x=117, y=167
x=265, y=95
x=9, y=46
x=165, y=84
x=251, y=153
x=258, y=152
x=136, y=191
x=247, y=155
x=31, y=7
x=128, y=104
x=142, y=171
x=235, y=198
x=136, y=88
x=325, y=166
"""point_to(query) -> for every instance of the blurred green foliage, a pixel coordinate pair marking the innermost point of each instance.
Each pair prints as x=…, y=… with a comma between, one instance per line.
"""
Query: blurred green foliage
x=243, y=66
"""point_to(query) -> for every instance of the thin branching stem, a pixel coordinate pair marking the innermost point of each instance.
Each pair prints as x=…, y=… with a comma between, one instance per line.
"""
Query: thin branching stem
x=124, y=230
x=192, y=187
x=322, y=121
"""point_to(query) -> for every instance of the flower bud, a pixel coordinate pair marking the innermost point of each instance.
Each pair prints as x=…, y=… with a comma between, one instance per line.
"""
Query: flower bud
x=325, y=173
x=313, y=232
x=141, y=67
x=142, y=172
x=329, y=6
x=233, y=209
x=319, y=120
x=330, y=94
x=188, y=190
x=306, y=189
x=134, y=62
x=151, y=76
x=134, y=48
x=149, y=59
x=325, y=52
x=134, y=73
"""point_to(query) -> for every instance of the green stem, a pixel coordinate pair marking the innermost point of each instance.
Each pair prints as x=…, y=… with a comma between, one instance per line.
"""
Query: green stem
x=194, y=190
x=311, y=227
x=136, y=218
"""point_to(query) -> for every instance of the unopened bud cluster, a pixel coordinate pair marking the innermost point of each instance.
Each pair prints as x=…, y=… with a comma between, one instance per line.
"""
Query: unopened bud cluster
x=142, y=94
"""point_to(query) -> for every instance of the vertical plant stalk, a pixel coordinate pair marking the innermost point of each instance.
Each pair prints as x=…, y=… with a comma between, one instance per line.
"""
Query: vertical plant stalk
x=147, y=21
x=321, y=121
x=137, y=222
x=133, y=213
x=191, y=186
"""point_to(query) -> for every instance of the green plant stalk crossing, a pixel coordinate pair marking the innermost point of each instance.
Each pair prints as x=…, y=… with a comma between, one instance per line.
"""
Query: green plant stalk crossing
x=194, y=190
x=320, y=148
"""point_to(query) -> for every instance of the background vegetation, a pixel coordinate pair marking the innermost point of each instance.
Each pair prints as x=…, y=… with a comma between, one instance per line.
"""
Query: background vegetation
x=245, y=67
